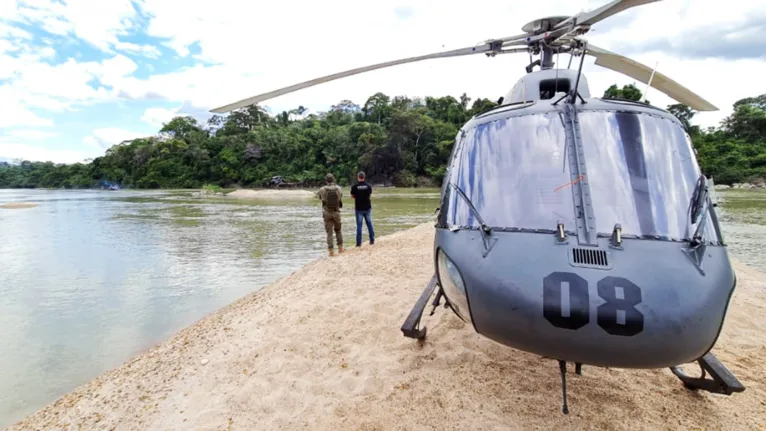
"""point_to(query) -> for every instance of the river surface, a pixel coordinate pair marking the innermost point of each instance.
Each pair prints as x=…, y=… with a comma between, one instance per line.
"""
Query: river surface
x=89, y=279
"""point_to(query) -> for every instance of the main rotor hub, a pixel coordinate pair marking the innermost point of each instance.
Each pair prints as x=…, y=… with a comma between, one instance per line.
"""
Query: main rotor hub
x=543, y=24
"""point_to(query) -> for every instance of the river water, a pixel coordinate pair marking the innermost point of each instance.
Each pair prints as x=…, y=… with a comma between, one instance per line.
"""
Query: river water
x=89, y=279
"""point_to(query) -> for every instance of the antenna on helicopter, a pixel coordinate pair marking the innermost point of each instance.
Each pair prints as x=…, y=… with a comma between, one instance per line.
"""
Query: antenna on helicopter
x=575, y=91
x=646, y=90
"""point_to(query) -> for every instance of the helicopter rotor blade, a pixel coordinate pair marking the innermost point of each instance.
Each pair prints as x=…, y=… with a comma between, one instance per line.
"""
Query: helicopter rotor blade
x=493, y=46
x=512, y=40
x=605, y=11
x=641, y=72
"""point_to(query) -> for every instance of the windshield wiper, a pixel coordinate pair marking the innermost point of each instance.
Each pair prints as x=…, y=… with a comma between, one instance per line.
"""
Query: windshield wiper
x=699, y=210
x=699, y=198
x=484, y=229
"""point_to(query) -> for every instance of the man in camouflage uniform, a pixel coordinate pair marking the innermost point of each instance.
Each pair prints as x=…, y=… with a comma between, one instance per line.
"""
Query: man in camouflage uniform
x=331, y=195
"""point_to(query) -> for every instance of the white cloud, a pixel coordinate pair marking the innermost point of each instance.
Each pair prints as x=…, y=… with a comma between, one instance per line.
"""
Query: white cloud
x=252, y=47
x=146, y=50
x=18, y=116
x=9, y=31
x=32, y=83
x=94, y=21
x=103, y=138
x=157, y=116
x=47, y=52
x=351, y=34
x=12, y=150
x=32, y=134
x=20, y=143
x=61, y=87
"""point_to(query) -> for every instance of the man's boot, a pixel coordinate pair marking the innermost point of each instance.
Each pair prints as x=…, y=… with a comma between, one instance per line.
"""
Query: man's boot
x=340, y=248
x=332, y=251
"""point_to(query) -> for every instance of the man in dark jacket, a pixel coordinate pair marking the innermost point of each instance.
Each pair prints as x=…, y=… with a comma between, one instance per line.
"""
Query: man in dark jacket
x=361, y=192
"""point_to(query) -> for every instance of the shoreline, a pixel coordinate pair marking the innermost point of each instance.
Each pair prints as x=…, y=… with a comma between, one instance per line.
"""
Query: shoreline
x=321, y=349
x=196, y=189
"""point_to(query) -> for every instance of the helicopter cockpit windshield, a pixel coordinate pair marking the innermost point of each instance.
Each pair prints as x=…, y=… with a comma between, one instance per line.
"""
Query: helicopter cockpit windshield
x=640, y=169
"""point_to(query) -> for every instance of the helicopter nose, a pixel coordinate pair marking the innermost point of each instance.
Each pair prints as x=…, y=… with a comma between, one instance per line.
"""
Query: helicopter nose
x=453, y=285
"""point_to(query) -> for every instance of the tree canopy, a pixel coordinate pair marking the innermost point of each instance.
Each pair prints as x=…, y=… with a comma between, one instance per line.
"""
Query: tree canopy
x=402, y=141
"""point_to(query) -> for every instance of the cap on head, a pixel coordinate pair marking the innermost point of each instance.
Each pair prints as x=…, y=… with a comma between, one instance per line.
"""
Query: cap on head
x=329, y=178
x=360, y=175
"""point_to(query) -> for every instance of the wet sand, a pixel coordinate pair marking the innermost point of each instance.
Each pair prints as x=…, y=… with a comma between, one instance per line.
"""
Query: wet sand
x=18, y=205
x=321, y=349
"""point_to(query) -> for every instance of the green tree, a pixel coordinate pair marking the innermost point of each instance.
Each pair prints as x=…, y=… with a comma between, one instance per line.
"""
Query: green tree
x=627, y=92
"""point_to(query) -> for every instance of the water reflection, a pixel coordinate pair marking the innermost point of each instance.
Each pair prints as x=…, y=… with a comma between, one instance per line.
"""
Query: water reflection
x=91, y=278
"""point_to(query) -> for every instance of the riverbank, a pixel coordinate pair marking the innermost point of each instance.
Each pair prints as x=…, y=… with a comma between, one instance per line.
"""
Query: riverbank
x=271, y=193
x=18, y=205
x=322, y=349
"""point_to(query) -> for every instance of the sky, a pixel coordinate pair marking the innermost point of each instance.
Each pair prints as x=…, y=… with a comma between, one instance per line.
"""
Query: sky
x=78, y=76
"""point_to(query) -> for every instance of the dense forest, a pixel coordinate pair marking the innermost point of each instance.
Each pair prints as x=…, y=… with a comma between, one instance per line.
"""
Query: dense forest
x=399, y=141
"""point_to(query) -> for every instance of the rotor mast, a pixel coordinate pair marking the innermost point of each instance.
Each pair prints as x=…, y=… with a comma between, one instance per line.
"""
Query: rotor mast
x=546, y=58
x=543, y=26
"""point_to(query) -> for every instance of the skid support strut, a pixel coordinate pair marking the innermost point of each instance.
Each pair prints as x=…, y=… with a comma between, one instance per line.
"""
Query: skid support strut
x=410, y=328
x=722, y=382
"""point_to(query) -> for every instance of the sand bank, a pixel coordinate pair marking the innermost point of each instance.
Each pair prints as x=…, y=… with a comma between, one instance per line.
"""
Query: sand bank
x=321, y=349
x=271, y=193
x=18, y=205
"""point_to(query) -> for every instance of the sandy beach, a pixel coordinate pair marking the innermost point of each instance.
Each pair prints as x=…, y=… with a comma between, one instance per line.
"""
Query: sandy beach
x=18, y=205
x=321, y=349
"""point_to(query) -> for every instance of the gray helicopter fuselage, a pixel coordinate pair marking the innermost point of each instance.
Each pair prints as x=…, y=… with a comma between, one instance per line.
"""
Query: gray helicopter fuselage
x=620, y=286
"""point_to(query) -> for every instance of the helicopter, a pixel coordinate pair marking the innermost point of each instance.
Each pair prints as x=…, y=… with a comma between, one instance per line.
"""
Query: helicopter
x=577, y=228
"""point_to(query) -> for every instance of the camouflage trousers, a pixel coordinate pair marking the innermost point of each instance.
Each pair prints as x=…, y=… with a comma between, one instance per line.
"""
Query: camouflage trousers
x=332, y=223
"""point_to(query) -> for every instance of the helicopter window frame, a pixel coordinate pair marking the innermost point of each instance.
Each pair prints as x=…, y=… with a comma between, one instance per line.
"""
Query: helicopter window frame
x=626, y=102
x=549, y=87
x=446, y=191
x=508, y=107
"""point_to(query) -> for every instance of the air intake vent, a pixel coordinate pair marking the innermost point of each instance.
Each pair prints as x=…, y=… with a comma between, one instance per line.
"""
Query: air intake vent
x=589, y=257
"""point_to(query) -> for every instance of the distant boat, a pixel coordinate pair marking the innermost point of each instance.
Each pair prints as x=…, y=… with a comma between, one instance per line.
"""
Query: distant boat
x=106, y=185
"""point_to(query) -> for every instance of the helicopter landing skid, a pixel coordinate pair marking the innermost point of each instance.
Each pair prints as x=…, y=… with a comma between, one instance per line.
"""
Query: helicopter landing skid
x=410, y=326
x=722, y=382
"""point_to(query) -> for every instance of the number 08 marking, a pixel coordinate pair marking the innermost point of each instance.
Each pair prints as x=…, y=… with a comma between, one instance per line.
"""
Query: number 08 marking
x=618, y=315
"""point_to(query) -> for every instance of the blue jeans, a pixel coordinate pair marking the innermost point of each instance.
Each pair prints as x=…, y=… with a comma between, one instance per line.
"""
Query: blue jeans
x=367, y=216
